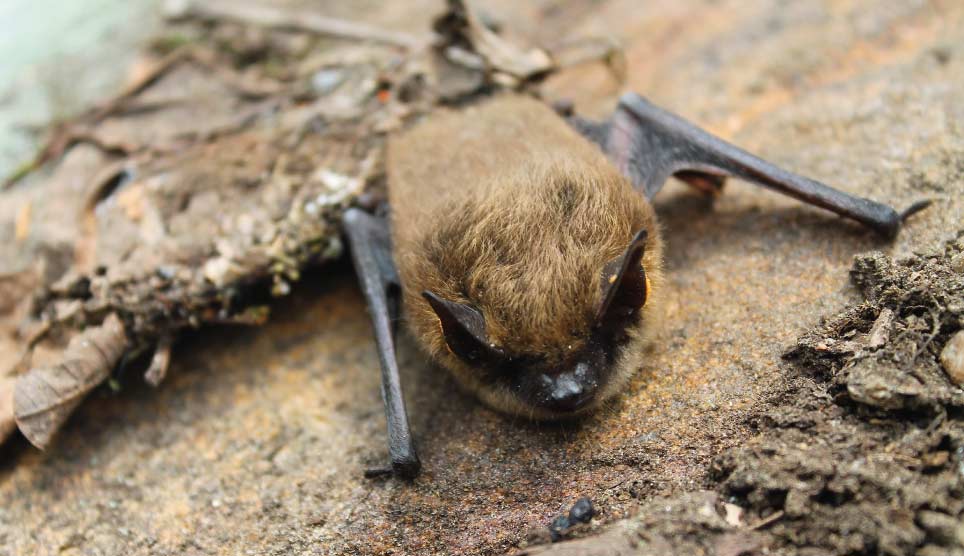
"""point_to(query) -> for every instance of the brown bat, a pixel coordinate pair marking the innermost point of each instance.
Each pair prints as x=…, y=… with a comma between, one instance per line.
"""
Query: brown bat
x=526, y=253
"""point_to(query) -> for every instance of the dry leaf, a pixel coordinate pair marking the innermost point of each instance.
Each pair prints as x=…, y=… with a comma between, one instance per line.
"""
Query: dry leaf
x=15, y=301
x=15, y=287
x=44, y=397
x=215, y=200
x=500, y=55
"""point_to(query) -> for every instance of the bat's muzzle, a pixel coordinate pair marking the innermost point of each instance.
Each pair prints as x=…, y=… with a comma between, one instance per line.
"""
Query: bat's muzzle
x=569, y=391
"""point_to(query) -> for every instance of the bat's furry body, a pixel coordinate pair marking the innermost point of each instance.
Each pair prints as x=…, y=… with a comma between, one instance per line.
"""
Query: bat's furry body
x=505, y=207
x=526, y=251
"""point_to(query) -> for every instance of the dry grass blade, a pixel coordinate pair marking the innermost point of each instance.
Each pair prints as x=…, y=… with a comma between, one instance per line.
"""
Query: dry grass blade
x=44, y=397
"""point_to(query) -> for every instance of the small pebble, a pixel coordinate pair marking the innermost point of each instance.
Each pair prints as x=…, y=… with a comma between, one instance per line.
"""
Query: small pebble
x=952, y=358
x=327, y=80
x=582, y=511
x=166, y=272
x=558, y=527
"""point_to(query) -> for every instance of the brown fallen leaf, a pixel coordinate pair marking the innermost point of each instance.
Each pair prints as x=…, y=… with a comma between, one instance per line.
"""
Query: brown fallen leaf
x=16, y=286
x=16, y=335
x=45, y=396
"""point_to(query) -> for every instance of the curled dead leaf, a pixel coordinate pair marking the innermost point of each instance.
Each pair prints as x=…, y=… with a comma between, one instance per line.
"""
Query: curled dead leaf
x=45, y=397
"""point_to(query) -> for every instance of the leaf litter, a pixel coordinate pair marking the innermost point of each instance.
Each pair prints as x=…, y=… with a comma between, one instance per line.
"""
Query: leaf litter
x=208, y=184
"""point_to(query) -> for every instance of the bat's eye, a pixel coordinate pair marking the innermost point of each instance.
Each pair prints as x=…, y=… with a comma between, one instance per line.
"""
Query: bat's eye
x=625, y=286
x=463, y=328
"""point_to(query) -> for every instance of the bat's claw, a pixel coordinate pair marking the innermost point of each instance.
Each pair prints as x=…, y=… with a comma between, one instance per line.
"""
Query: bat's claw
x=378, y=472
x=915, y=208
x=402, y=468
x=406, y=468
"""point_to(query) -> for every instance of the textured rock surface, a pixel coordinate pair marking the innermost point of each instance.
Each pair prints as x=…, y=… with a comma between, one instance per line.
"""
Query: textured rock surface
x=257, y=439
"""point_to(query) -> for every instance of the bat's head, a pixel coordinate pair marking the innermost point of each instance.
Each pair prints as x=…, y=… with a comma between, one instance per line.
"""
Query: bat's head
x=544, y=315
x=566, y=379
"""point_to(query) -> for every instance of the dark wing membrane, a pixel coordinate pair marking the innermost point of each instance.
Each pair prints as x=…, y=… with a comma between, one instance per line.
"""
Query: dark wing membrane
x=649, y=144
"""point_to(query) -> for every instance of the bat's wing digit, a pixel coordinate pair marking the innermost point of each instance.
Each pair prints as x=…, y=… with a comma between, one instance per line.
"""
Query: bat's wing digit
x=649, y=144
x=371, y=252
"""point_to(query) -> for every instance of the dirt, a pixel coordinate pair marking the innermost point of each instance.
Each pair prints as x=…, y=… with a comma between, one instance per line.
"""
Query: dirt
x=863, y=452
x=257, y=439
x=858, y=451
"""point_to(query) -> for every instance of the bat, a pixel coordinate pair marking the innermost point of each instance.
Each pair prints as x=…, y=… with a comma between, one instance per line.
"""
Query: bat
x=525, y=252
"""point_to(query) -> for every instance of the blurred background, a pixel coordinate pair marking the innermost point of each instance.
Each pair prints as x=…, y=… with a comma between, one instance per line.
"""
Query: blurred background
x=60, y=57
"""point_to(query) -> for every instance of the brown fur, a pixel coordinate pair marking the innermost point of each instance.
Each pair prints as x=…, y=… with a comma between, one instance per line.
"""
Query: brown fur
x=505, y=207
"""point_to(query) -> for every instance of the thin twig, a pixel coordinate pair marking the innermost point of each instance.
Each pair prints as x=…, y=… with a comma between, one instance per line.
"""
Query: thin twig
x=767, y=520
x=268, y=16
x=67, y=135
x=134, y=88
x=935, y=330
x=160, y=362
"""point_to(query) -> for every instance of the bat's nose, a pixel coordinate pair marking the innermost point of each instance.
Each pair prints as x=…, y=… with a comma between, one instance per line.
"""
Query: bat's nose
x=567, y=395
x=569, y=391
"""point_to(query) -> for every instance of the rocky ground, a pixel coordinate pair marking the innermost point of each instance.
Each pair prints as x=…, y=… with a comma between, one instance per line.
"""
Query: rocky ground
x=793, y=402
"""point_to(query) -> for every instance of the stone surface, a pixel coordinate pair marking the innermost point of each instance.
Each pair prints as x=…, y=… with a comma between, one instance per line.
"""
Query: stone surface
x=257, y=440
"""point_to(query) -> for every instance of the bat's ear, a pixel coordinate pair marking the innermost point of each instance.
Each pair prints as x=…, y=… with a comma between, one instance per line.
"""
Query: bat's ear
x=463, y=327
x=624, y=284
